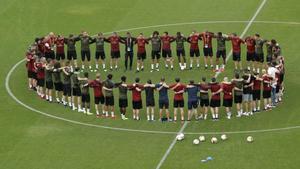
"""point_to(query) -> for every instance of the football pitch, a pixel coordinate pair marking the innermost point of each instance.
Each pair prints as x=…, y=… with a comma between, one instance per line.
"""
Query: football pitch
x=36, y=134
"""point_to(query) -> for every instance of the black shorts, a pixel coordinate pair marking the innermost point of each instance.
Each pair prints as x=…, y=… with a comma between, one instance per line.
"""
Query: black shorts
x=72, y=55
x=100, y=55
x=236, y=56
x=98, y=100
x=76, y=91
x=109, y=101
x=256, y=94
x=123, y=103
x=204, y=102
x=137, y=105
x=221, y=53
x=86, y=55
x=227, y=102
x=208, y=52
x=266, y=94
x=178, y=103
x=150, y=102
x=41, y=82
x=277, y=88
x=85, y=98
x=67, y=90
x=250, y=56
x=60, y=56
x=155, y=55
x=163, y=104
x=259, y=57
x=58, y=86
x=115, y=54
x=192, y=105
x=31, y=74
x=166, y=53
x=49, y=84
x=269, y=59
x=50, y=55
x=129, y=54
x=180, y=52
x=238, y=98
x=141, y=56
x=215, y=103
x=194, y=52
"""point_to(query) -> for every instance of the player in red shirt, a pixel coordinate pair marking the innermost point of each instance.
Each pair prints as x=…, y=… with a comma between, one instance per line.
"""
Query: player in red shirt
x=166, y=41
x=31, y=74
x=49, y=42
x=250, y=43
x=204, y=98
x=40, y=70
x=114, y=41
x=178, y=89
x=194, y=48
x=215, y=100
x=137, y=105
x=60, y=48
x=267, y=80
x=97, y=85
x=141, y=42
x=207, y=47
x=236, y=50
x=227, y=88
x=256, y=92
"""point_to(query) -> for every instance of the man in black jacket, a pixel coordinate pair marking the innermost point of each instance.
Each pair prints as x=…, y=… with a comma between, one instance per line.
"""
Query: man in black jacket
x=129, y=42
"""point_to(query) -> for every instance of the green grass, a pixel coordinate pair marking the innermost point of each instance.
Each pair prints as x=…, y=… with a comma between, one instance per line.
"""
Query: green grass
x=30, y=140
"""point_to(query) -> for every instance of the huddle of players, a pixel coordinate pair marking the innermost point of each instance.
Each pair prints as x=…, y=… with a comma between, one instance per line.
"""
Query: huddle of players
x=72, y=90
x=161, y=45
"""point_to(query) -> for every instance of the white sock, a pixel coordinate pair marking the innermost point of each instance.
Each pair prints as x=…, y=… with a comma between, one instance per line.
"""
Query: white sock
x=148, y=117
x=112, y=114
x=217, y=67
x=47, y=97
x=157, y=65
x=191, y=65
x=152, y=117
x=103, y=66
x=82, y=66
x=97, y=66
x=152, y=66
x=116, y=67
x=97, y=112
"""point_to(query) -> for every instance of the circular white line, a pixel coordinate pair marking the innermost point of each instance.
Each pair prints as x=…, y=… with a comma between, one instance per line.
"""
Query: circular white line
x=7, y=79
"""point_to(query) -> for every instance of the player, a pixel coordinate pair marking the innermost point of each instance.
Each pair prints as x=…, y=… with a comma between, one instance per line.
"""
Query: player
x=180, y=51
x=207, y=47
x=221, y=50
x=163, y=100
x=238, y=93
x=137, y=104
x=49, y=79
x=204, y=98
x=215, y=102
x=108, y=86
x=76, y=90
x=141, y=42
x=178, y=102
x=40, y=69
x=129, y=42
x=259, y=52
x=71, y=48
x=156, y=48
x=236, y=50
x=166, y=49
x=250, y=43
x=97, y=85
x=272, y=71
x=256, y=92
x=267, y=90
x=123, y=100
x=192, y=91
x=272, y=48
x=30, y=60
x=114, y=41
x=86, y=40
x=85, y=96
x=60, y=48
x=248, y=92
x=49, y=42
x=67, y=72
x=58, y=86
x=100, y=53
x=150, y=103
x=227, y=88
x=194, y=48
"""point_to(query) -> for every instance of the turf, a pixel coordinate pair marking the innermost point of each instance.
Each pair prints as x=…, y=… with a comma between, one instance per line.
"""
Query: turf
x=31, y=140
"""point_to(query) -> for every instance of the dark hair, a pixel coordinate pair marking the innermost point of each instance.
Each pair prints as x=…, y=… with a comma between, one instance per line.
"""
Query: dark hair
x=178, y=33
x=237, y=75
x=57, y=65
x=220, y=33
x=273, y=41
x=162, y=79
x=192, y=82
x=149, y=81
x=77, y=69
x=257, y=35
x=86, y=74
x=155, y=33
x=177, y=79
x=213, y=79
x=123, y=78
x=137, y=80
x=166, y=33
x=109, y=76
x=203, y=79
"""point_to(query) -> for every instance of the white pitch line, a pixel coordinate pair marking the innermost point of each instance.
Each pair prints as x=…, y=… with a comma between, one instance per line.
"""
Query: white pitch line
x=163, y=159
x=217, y=74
